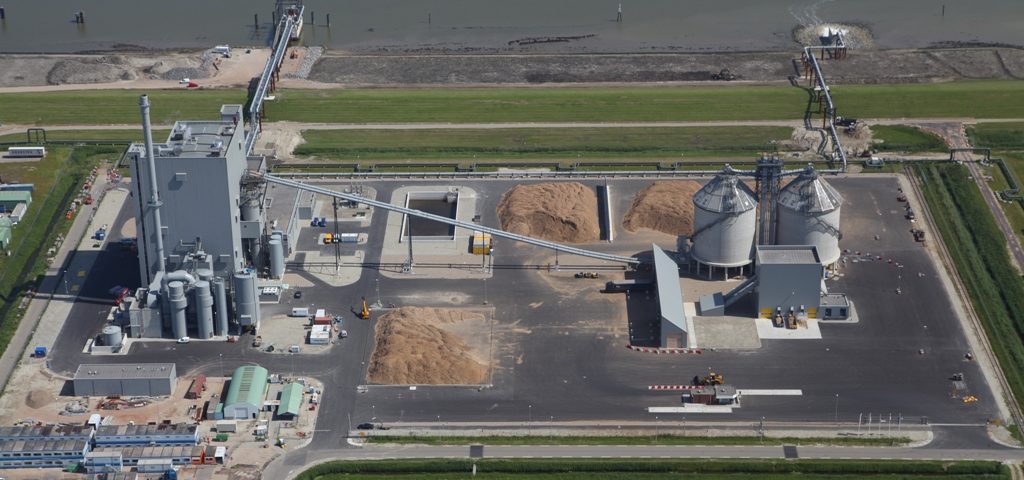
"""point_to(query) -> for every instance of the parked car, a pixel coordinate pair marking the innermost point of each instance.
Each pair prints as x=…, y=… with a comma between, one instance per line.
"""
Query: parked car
x=297, y=294
x=184, y=340
x=343, y=334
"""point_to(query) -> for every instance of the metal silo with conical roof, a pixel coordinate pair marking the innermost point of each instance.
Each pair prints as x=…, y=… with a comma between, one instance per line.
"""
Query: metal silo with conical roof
x=809, y=215
x=724, y=222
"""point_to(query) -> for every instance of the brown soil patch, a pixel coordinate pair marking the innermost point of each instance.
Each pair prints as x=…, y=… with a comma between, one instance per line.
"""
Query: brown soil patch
x=413, y=348
x=39, y=398
x=664, y=206
x=559, y=212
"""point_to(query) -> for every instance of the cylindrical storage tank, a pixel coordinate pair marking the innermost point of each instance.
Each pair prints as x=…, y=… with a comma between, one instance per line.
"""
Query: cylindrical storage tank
x=112, y=336
x=204, y=309
x=808, y=214
x=220, y=301
x=276, y=258
x=204, y=274
x=724, y=222
x=247, y=310
x=250, y=208
x=179, y=304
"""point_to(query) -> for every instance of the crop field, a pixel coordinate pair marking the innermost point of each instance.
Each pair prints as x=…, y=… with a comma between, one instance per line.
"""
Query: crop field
x=560, y=143
x=997, y=135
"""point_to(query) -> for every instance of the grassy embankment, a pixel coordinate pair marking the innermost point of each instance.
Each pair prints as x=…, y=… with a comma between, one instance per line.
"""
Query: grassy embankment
x=653, y=468
x=980, y=99
x=132, y=135
x=668, y=439
x=978, y=251
x=57, y=179
x=1006, y=139
x=575, y=144
x=904, y=138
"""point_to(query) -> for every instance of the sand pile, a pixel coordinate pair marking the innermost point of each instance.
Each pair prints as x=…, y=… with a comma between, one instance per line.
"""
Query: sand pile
x=559, y=212
x=413, y=348
x=665, y=206
x=39, y=398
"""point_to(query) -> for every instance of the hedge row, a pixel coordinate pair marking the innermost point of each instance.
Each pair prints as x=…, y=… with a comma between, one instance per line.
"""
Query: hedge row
x=627, y=466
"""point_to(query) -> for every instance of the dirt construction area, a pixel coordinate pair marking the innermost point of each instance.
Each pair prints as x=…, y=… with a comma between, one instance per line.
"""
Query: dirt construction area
x=664, y=206
x=861, y=66
x=35, y=394
x=559, y=212
x=431, y=346
x=132, y=70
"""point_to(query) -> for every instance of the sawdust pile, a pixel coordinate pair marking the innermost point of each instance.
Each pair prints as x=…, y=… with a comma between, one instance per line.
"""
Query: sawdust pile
x=663, y=206
x=559, y=212
x=39, y=398
x=413, y=348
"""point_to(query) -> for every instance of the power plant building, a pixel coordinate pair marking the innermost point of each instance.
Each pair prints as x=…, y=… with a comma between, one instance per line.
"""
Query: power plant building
x=199, y=171
x=789, y=280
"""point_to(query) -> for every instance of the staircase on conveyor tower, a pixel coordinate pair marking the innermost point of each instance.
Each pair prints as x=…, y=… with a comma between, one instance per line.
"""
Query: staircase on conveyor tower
x=769, y=182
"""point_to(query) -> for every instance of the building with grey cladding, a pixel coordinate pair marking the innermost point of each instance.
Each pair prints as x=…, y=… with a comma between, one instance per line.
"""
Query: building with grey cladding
x=129, y=435
x=789, y=277
x=178, y=454
x=47, y=432
x=199, y=169
x=125, y=379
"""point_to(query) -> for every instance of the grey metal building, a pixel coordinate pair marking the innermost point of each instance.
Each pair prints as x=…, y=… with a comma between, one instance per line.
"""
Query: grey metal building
x=670, y=300
x=125, y=379
x=198, y=170
x=129, y=435
x=789, y=278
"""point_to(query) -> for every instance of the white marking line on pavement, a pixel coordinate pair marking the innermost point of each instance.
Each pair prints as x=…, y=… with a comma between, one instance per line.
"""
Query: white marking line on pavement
x=770, y=392
x=692, y=408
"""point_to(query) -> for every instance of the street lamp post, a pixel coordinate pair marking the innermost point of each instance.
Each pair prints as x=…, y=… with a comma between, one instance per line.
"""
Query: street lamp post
x=66, y=292
x=837, y=409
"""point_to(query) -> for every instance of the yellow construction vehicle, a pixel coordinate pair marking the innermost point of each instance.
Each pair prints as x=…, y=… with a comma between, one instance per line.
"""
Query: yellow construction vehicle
x=712, y=379
x=365, y=312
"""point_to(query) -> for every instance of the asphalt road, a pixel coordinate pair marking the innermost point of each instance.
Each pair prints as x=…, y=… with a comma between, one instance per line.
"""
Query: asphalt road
x=561, y=358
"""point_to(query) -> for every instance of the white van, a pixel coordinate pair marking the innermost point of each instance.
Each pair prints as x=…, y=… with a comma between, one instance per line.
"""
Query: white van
x=299, y=312
x=294, y=349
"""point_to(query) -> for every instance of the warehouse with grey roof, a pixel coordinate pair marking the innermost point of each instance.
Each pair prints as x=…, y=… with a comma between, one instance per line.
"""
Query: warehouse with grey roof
x=125, y=379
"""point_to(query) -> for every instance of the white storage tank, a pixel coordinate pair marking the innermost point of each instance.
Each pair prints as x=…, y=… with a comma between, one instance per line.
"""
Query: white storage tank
x=725, y=222
x=808, y=214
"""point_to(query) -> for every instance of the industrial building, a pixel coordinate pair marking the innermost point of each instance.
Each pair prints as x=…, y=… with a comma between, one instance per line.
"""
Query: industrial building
x=6, y=232
x=291, y=401
x=246, y=392
x=176, y=455
x=43, y=445
x=201, y=269
x=125, y=379
x=788, y=280
x=808, y=214
x=670, y=300
x=129, y=435
x=11, y=198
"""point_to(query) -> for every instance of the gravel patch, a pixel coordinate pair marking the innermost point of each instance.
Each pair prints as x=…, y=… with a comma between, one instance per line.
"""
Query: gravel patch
x=313, y=54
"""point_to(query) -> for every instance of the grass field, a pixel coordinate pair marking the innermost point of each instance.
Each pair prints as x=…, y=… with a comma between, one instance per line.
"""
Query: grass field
x=997, y=136
x=57, y=179
x=903, y=138
x=980, y=99
x=652, y=468
x=134, y=135
x=560, y=143
x=104, y=107
x=978, y=250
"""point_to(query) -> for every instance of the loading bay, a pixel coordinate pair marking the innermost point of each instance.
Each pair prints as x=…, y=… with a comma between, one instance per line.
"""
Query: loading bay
x=558, y=350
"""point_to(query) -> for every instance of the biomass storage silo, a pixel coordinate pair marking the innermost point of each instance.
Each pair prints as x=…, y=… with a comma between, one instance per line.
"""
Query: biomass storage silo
x=725, y=221
x=809, y=215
